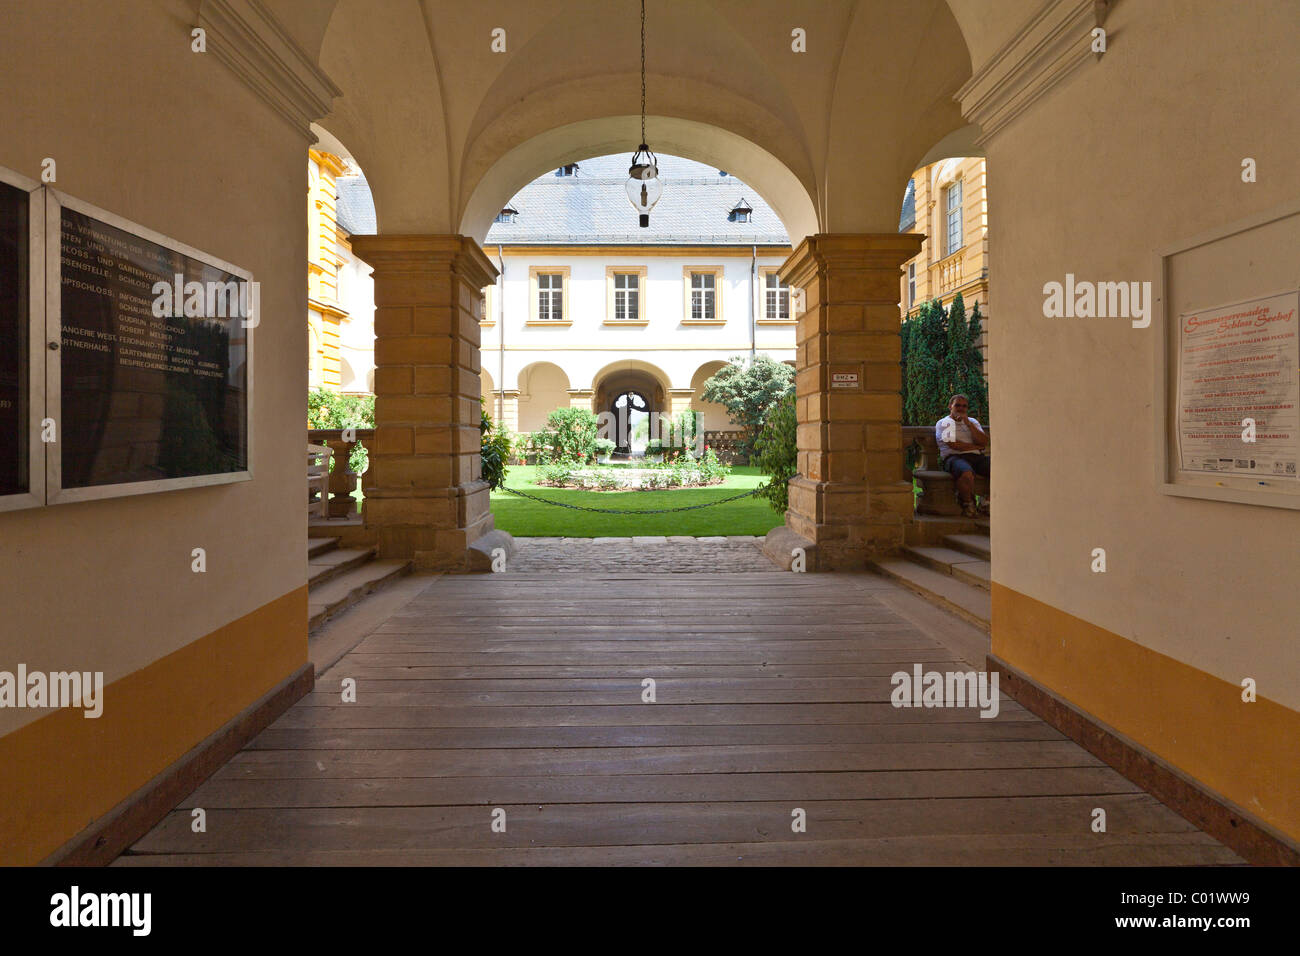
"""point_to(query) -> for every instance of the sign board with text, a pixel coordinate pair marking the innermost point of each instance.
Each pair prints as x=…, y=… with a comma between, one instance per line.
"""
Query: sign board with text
x=22, y=379
x=849, y=377
x=1226, y=402
x=1239, y=375
x=150, y=357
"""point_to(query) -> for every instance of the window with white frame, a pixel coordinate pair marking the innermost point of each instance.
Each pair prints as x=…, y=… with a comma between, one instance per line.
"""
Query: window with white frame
x=776, y=298
x=703, y=295
x=550, y=296
x=627, y=297
x=911, y=284
x=953, y=204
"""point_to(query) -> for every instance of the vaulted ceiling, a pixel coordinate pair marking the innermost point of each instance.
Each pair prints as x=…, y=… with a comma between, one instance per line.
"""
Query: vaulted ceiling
x=447, y=129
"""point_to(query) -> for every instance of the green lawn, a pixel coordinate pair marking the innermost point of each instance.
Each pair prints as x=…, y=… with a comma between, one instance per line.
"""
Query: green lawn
x=532, y=519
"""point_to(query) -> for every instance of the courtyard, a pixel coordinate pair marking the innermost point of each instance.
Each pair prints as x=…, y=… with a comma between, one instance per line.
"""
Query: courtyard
x=526, y=517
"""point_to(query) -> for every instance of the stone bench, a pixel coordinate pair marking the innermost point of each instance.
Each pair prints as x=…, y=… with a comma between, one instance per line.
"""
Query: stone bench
x=938, y=495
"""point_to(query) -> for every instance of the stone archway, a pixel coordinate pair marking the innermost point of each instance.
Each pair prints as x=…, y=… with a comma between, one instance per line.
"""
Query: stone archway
x=847, y=502
x=638, y=395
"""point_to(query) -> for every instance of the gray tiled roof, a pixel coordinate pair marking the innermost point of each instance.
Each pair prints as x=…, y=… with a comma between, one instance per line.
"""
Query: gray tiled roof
x=907, y=218
x=356, y=207
x=592, y=208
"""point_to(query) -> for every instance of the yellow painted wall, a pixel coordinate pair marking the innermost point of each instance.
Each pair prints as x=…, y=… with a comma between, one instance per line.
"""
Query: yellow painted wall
x=941, y=274
x=327, y=249
x=71, y=770
x=176, y=143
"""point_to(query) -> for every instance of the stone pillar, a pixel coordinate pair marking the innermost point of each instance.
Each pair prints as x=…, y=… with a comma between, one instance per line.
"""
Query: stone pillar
x=425, y=498
x=679, y=400
x=581, y=398
x=510, y=409
x=847, y=502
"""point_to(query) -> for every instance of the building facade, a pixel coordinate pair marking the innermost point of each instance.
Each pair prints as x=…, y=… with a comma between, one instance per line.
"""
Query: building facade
x=588, y=307
x=340, y=290
x=947, y=202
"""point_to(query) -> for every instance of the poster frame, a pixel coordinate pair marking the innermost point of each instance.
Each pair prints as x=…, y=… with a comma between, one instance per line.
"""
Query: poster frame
x=34, y=496
x=55, y=203
x=1170, y=480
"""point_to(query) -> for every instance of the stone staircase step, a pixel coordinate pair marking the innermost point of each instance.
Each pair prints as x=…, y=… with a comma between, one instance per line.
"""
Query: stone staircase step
x=926, y=529
x=968, y=602
x=319, y=546
x=340, y=593
x=958, y=564
x=972, y=544
x=335, y=562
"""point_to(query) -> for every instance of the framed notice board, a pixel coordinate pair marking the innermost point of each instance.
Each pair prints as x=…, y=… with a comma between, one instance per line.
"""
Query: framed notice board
x=152, y=370
x=1227, y=397
x=22, y=331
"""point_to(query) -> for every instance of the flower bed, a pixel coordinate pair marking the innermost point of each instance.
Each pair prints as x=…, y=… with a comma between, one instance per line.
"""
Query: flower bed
x=682, y=473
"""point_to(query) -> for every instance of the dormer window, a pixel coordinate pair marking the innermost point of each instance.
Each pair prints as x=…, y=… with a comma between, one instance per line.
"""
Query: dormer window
x=568, y=169
x=507, y=214
x=740, y=212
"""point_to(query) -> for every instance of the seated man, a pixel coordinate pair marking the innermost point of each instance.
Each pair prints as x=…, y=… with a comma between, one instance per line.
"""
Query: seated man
x=961, y=439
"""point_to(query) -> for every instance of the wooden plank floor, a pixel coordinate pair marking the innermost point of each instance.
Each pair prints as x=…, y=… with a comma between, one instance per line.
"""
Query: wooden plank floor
x=522, y=691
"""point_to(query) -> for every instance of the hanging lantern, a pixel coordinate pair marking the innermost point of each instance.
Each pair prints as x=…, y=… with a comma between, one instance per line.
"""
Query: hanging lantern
x=643, y=184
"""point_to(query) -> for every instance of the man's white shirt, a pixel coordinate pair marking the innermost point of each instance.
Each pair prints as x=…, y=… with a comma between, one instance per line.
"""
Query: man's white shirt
x=947, y=428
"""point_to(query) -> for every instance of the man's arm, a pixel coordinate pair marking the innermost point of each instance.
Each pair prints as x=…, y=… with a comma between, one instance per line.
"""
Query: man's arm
x=980, y=438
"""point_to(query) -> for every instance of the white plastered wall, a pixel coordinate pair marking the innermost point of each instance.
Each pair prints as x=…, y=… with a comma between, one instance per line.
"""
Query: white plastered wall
x=172, y=141
x=1134, y=153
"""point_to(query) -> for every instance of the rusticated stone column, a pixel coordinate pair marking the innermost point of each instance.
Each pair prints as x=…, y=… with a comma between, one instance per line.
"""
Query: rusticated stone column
x=425, y=497
x=847, y=502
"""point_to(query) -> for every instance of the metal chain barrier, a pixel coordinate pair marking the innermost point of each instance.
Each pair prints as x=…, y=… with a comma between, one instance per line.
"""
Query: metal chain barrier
x=625, y=511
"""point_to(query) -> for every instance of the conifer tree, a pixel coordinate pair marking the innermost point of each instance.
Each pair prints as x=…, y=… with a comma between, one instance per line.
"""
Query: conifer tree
x=956, y=354
x=977, y=387
x=942, y=357
x=925, y=380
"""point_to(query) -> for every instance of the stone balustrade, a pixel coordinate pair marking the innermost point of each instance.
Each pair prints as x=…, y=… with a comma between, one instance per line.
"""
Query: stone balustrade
x=936, y=496
x=343, y=480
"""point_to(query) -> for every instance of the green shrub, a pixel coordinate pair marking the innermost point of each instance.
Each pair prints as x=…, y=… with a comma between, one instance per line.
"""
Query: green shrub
x=575, y=433
x=538, y=445
x=326, y=409
x=560, y=471
x=682, y=433
x=778, y=452
x=604, y=447
x=711, y=469
x=748, y=390
x=497, y=445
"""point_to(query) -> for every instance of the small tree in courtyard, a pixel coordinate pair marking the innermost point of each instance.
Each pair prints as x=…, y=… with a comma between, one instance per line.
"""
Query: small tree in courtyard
x=778, y=452
x=575, y=433
x=748, y=391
